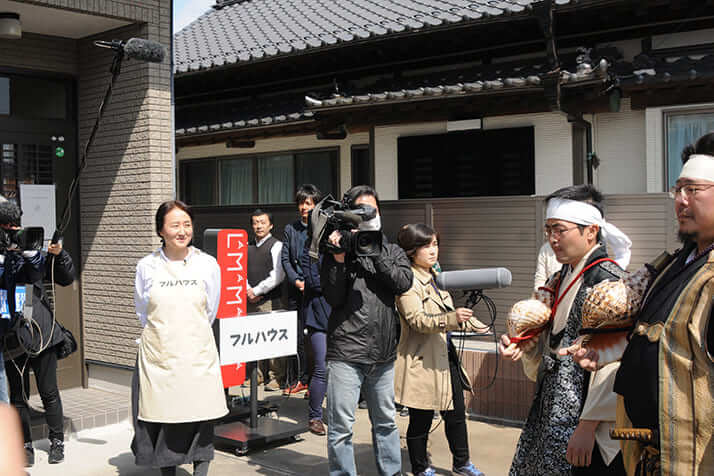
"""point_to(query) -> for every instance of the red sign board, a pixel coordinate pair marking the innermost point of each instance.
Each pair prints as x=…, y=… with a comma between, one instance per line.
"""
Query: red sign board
x=232, y=257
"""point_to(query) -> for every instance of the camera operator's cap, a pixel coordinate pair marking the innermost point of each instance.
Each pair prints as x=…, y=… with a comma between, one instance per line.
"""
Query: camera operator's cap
x=9, y=212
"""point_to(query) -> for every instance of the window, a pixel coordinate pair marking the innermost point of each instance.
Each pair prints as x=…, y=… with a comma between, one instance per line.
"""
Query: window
x=467, y=164
x=362, y=166
x=19, y=97
x=196, y=190
x=264, y=179
x=683, y=129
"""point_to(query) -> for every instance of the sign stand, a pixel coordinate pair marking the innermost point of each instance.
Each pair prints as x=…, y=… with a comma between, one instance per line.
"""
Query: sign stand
x=229, y=247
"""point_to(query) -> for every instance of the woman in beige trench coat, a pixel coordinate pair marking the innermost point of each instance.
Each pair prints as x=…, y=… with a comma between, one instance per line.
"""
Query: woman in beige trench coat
x=428, y=376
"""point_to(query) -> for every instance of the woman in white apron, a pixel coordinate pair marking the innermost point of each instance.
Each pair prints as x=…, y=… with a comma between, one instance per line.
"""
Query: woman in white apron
x=177, y=391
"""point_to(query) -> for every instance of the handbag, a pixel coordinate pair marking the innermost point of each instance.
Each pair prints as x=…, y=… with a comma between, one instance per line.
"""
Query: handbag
x=68, y=346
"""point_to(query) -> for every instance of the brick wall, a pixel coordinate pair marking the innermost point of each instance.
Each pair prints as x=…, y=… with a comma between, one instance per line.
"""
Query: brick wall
x=129, y=174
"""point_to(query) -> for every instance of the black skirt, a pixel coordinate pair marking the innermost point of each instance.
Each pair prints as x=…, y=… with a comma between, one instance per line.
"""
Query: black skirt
x=168, y=444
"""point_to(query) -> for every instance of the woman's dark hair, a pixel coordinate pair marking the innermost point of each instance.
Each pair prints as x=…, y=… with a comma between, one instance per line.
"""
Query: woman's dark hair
x=411, y=237
x=305, y=191
x=258, y=213
x=351, y=195
x=165, y=208
x=704, y=145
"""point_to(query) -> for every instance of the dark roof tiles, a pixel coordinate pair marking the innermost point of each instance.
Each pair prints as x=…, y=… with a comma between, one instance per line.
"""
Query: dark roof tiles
x=255, y=29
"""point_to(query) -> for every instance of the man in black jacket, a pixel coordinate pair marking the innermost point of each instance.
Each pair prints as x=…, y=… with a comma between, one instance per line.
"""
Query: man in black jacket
x=362, y=337
x=25, y=348
x=294, y=238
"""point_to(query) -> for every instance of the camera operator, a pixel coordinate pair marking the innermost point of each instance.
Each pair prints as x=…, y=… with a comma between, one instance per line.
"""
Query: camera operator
x=362, y=337
x=31, y=267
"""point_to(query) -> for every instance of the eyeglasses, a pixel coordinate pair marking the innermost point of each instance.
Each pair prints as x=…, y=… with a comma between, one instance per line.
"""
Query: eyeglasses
x=556, y=231
x=690, y=190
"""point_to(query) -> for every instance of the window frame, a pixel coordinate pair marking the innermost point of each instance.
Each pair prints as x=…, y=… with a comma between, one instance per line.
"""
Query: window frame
x=370, y=159
x=254, y=158
x=666, y=114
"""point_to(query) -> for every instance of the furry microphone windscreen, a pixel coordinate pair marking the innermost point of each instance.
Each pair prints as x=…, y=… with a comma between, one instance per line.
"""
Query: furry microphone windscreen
x=9, y=213
x=144, y=50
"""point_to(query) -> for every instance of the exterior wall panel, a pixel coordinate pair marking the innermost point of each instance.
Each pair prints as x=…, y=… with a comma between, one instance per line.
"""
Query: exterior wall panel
x=620, y=143
x=40, y=53
x=129, y=173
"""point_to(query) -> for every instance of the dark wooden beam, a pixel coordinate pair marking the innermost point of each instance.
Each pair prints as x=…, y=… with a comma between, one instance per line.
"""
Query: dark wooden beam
x=664, y=97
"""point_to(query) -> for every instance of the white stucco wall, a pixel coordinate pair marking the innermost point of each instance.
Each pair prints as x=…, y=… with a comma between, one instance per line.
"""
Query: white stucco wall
x=619, y=140
x=284, y=144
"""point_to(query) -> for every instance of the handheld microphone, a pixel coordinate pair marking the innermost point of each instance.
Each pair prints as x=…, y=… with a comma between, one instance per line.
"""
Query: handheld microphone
x=470, y=279
x=136, y=48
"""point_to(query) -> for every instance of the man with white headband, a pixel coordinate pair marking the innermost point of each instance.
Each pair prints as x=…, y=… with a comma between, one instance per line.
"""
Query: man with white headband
x=567, y=430
x=666, y=376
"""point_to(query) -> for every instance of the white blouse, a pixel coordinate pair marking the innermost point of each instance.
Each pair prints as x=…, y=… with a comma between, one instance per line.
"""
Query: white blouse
x=208, y=268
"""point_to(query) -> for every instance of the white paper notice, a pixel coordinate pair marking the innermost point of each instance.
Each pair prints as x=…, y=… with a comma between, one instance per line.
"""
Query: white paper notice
x=38, y=208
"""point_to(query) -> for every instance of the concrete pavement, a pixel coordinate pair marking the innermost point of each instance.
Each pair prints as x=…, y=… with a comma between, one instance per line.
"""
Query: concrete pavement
x=105, y=451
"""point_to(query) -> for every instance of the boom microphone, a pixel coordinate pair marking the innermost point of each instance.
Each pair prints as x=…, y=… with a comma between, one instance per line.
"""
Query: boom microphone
x=136, y=48
x=470, y=279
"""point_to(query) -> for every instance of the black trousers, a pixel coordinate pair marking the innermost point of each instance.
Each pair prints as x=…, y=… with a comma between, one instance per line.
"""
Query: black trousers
x=599, y=468
x=454, y=424
x=45, y=368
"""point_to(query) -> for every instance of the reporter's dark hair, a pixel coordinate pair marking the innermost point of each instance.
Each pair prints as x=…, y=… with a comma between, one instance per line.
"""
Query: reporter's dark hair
x=581, y=193
x=165, y=208
x=704, y=145
x=10, y=213
x=258, y=212
x=411, y=237
x=357, y=191
x=305, y=191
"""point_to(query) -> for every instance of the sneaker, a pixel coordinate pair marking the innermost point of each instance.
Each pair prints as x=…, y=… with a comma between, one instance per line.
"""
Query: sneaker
x=29, y=455
x=272, y=386
x=467, y=470
x=427, y=472
x=362, y=405
x=56, y=451
x=307, y=395
x=404, y=411
x=297, y=388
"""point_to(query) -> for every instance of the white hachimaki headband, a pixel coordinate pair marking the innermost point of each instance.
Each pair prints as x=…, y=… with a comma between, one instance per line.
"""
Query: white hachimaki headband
x=583, y=213
x=699, y=166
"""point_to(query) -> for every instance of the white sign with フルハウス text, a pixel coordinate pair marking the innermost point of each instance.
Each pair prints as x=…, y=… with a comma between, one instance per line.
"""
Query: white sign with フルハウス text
x=258, y=337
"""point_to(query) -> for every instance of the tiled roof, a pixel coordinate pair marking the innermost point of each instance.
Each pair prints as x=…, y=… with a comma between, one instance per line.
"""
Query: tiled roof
x=266, y=120
x=481, y=79
x=484, y=79
x=649, y=70
x=251, y=30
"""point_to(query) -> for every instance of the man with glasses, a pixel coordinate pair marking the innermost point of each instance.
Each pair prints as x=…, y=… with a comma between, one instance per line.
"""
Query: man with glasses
x=666, y=376
x=567, y=430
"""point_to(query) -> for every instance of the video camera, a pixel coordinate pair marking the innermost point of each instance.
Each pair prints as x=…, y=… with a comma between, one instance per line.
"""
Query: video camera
x=330, y=215
x=23, y=239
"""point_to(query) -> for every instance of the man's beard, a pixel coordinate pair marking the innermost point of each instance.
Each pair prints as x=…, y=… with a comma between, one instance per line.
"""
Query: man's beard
x=685, y=238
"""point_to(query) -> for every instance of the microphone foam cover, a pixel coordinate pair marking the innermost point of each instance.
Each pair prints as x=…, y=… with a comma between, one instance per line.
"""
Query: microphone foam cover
x=144, y=50
x=468, y=279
